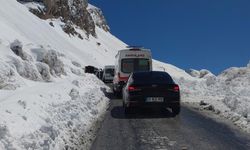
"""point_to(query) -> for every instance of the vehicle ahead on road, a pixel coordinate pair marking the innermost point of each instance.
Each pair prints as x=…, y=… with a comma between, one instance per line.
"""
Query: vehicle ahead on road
x=130, y=60
x=108, y=73
x=99, y=74
x=90, y=69
x=151, y=89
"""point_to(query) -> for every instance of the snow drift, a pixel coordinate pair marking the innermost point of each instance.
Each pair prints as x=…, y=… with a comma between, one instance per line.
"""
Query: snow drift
x=227, y=94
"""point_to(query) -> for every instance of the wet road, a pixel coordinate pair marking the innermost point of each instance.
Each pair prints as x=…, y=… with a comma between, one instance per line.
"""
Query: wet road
x=153, y=129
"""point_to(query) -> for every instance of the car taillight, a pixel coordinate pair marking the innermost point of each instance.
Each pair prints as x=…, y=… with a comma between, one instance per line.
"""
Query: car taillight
x=176, y=88
x=133, y=88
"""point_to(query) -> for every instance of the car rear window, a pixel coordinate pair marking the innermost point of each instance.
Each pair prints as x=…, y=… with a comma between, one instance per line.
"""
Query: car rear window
x=110, y=71
x=152, y=77
x=135, y=64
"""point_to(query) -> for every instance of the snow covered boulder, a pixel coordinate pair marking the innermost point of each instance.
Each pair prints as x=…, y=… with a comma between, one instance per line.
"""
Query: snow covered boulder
x=26, y=69
x=44, y=71
x=51, y=58
x=17, y=48
x=7, y=77
x=77, y=64
x=205, y=73
x=77, y=71
x=193, y=73
x=38, y=53
x=200, y=74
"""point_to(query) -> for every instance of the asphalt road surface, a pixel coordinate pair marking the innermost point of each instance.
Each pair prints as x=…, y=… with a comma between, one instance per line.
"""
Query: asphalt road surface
x=150, y=129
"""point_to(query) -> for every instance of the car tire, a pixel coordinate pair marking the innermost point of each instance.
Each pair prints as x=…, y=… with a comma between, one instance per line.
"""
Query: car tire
x=127, y=109
x=176, y=109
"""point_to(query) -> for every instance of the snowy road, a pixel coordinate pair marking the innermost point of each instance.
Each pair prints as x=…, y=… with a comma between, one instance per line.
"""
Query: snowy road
x=151, y=129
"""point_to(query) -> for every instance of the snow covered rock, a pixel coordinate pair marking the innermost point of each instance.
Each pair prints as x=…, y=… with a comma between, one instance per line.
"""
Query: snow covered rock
x=77, y=64
x=205, y=73
x=44, y=70
x=77, y=71
x=200, y=74
x=98, y=17
x=193, y=73
x=17, y=48
x=74, y=11
x=7, y=77
x=51, y=58
x=26, y=69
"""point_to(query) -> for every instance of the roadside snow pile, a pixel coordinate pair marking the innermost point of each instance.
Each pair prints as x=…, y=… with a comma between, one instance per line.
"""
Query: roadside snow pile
x=236, y=84
x=61, y=111
x=55, y=115
x=227, y=94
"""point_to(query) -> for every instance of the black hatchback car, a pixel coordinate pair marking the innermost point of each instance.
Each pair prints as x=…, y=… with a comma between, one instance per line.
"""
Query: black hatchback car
x=151, y=89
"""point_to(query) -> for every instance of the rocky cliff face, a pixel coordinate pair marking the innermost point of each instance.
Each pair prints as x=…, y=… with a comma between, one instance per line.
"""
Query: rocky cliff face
x=98, y=17
x=72, y=12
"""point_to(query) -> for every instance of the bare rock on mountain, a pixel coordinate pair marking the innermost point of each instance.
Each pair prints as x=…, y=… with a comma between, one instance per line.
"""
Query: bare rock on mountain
x=78, y=12
x=98, y=17
x=69, y=10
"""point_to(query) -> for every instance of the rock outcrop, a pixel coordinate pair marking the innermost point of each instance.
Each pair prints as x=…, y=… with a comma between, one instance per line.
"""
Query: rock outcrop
x=71, y=11
x=98, y=17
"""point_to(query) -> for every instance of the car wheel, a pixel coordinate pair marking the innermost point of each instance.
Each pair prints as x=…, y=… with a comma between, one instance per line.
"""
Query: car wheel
x=127, y=109
x=176, y=109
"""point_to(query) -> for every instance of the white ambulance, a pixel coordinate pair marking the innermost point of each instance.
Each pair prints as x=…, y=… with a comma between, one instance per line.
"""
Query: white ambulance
x=130, y=60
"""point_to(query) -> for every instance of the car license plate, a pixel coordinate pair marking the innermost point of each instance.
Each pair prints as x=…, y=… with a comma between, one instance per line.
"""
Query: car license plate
x=154, y=99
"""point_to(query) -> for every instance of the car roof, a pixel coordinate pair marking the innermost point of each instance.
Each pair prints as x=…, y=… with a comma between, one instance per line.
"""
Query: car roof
x=156, y=76
x=110, y=66
x=150, y=72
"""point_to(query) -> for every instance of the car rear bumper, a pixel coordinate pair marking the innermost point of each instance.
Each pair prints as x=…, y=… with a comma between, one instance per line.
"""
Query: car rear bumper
x=141, y=102
x=151, y=104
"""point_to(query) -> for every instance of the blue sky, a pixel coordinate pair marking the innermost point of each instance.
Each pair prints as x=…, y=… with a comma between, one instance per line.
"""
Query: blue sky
x=210, y=34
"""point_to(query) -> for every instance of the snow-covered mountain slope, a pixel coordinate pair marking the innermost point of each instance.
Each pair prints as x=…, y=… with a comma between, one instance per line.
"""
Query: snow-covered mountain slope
x=48, y=102
x=46, y=99
x=18, y=23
